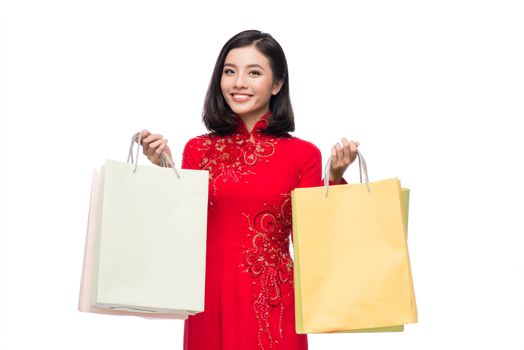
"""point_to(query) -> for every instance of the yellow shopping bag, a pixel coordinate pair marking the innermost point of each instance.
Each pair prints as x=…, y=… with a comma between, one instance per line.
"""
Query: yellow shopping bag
x=352, y=269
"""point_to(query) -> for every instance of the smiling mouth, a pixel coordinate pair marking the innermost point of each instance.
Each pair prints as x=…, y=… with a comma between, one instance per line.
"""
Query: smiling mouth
x=240, y=97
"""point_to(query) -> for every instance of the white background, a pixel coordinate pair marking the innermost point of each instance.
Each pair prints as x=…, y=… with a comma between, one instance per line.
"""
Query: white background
x=433, y=90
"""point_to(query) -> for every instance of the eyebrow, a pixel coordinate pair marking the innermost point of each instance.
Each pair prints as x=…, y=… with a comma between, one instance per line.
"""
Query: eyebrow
x=249, y=66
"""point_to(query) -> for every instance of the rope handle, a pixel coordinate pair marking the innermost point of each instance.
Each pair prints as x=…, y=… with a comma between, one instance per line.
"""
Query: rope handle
x=362, y=167
x=165, y=159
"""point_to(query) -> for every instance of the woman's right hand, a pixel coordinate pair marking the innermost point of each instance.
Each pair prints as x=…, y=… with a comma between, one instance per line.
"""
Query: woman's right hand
x=153, y=145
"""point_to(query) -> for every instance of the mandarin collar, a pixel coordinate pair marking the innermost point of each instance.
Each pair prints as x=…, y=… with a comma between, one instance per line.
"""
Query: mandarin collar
x=259, y=125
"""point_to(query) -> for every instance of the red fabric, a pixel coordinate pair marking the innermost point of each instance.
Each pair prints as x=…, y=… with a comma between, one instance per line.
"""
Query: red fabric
x=249, y=297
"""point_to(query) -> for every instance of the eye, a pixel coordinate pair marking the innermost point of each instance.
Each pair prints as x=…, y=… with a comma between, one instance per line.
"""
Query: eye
x=254, y=72
x=228, y=71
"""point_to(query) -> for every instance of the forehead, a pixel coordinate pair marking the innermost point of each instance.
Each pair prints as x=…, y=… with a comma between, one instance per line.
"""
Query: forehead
x=246, y=56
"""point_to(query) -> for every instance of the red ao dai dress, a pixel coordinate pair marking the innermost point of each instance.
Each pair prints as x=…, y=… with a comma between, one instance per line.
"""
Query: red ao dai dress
x=249, y=296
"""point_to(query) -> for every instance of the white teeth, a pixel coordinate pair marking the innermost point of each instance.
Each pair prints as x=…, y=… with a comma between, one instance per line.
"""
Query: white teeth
x=241, y=96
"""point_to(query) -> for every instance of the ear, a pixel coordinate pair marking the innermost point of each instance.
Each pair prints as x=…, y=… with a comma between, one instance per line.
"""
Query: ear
x=277, y=85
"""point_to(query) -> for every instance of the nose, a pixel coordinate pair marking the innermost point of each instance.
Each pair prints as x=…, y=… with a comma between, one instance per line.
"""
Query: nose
x=240, y=81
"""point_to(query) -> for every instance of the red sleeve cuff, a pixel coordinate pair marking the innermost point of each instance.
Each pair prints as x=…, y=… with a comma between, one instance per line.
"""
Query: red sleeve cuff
x=342, y=182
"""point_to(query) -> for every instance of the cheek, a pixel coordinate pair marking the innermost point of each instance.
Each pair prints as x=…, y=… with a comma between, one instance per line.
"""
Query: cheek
x=223, y=86
x=263, y=87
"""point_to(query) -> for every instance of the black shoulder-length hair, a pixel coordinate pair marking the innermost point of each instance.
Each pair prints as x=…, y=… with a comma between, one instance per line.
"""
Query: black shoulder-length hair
x=218, y=116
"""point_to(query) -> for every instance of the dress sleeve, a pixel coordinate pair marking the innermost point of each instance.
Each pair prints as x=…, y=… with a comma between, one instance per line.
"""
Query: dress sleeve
x=190, y=159
x=311, y=170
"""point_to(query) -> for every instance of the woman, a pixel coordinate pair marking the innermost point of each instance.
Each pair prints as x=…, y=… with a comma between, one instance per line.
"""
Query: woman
x=254, y=164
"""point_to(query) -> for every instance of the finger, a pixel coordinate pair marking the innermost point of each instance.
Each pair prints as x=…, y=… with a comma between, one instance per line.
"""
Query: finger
x=354, y=150
x=151, y=143
x=151, y=152
x=333, y=153
x=151, y=138
x=155, y=144
x=145, y=147
x=346, y=150
x=141, y=136
x=144, y=133
x=161, y=148
x=340, y=152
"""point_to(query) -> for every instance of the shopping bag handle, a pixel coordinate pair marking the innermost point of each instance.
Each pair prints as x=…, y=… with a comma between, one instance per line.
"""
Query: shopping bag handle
x=362, y=167
x=165, y=159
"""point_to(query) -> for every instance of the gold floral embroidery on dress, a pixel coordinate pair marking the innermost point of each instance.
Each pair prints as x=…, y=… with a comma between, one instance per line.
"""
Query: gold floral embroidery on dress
x=268, y=261
x=232, y=157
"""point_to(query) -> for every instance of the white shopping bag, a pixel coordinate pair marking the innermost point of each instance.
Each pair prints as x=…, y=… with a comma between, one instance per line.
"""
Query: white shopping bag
x=146, y=241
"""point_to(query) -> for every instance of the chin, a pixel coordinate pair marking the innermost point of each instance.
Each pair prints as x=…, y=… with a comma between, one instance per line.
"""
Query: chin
x=242, y=111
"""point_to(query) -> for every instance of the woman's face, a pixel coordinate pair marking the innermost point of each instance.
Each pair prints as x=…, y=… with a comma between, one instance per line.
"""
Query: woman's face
x=247, y=82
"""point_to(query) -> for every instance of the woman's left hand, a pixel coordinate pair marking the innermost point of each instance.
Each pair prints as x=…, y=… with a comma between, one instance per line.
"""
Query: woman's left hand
x=341, y=157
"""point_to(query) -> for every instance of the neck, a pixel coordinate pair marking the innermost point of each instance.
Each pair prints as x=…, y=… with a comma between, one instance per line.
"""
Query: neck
x=251, y=120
